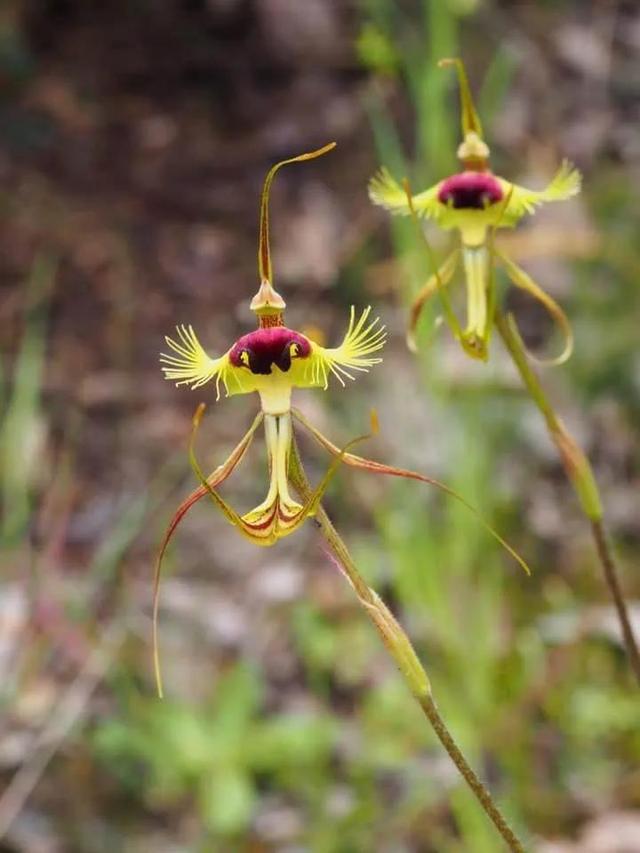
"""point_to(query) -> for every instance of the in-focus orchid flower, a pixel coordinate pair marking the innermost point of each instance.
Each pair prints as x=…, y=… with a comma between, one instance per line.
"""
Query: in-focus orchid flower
x=272, y=361
x=475, y=202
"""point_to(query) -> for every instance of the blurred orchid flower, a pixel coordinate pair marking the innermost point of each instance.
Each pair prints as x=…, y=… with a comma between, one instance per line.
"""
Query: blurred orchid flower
x=475, y=202
x=272, y=361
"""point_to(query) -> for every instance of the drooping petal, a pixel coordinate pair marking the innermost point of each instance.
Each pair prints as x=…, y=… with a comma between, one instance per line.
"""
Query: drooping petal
x=386, y=192
x=215, y=479
x=564, y=185
x=379, y=468
x=355, y=353
x=524, y=281
x=436, y=283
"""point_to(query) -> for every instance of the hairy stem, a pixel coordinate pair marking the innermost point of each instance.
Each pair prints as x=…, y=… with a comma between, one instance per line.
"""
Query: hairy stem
x=446, y=739
x=611, y=575
x=402, y=651
x=580, y=474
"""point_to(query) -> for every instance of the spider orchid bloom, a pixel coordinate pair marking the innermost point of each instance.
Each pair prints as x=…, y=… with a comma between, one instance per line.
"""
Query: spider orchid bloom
x=475, y=202
x=272, y=361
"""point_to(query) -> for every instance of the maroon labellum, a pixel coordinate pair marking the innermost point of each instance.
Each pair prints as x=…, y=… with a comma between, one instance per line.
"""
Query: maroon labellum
x=470, y=190
x=263, y=348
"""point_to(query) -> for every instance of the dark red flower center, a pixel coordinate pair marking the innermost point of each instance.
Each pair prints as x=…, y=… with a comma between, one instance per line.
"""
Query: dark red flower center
x=470, y=190
x=261, y=349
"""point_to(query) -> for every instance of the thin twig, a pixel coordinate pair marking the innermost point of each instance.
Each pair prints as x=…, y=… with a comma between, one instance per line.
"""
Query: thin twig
x=579, y=473
x=611, y=575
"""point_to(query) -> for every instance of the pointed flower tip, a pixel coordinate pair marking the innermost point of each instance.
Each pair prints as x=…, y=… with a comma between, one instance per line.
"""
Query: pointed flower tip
x=198, y=415
x=475, y=345
x=470, y=120
x=325, y=149
x=159, y=687
x=311, y=155
x=264, y=252
x=157, y=669
x=380, y=468
x=374, y=421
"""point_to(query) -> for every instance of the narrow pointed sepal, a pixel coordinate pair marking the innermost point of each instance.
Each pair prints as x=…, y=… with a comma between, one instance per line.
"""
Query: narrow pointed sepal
x=264, y=253
x=380, y=468
x=469, y=118
x=215, y=479
x=435, y=284
x=524, y=281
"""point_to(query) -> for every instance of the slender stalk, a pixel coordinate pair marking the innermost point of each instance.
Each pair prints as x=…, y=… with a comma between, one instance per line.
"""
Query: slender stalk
x=580, y=474
x=611, y=575
x=399, y=646
x=446, y=739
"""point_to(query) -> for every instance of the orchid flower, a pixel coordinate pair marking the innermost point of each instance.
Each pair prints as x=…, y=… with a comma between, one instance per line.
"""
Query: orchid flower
x=474, y=202
x=272, y=360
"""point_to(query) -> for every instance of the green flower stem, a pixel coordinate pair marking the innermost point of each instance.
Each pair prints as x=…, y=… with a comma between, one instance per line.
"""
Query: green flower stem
x=580, y=474
x=402, y=651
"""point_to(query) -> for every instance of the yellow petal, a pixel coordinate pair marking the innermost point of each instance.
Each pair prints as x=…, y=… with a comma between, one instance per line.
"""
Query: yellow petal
x=355, y=353
x=190, y=364
x=386, y=192
x=565, y=184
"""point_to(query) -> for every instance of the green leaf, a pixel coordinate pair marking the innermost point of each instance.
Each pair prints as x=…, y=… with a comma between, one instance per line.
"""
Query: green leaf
x=237, y=698
x=292, y=741
x=226, y=801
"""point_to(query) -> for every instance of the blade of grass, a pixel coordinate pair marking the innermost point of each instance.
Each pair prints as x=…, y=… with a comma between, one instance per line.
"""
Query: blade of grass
x=20, y=418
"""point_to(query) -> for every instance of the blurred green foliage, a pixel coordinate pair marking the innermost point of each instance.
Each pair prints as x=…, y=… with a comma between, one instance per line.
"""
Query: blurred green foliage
x=216, y=753
x=20, y=421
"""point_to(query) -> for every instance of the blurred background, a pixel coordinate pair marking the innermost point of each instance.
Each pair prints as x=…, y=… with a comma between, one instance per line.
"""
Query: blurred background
x=134, y=139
